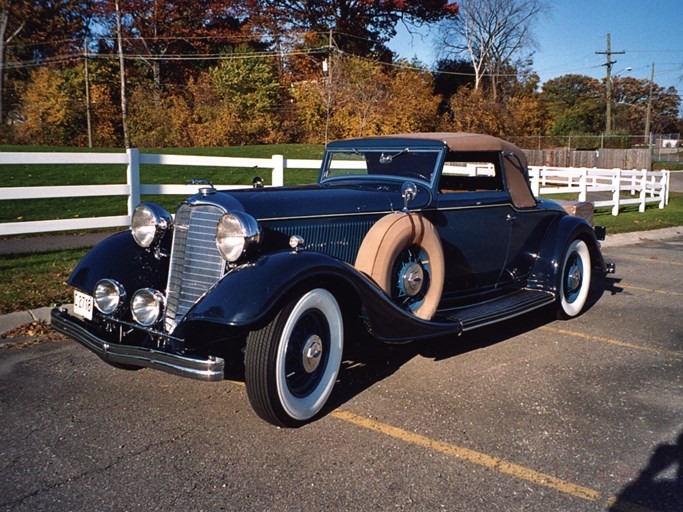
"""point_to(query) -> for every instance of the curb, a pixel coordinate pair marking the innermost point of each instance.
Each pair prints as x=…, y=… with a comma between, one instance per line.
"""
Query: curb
x=637, y=237
x=17, y=319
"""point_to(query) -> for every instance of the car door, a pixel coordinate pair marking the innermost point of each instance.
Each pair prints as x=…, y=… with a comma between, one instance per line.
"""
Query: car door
x=474, y=233
x=473, y=220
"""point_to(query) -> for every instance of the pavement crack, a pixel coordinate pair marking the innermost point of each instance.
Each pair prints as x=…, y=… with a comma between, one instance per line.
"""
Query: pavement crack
x=100, y=470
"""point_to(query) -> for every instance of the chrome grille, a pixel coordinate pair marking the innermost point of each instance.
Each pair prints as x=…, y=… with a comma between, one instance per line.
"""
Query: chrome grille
x=195, y=263
x=339, y=239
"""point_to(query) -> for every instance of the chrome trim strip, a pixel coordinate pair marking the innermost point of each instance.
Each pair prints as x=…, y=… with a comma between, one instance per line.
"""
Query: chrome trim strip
x=211, y=369
x=331, y=215
x=417, y=210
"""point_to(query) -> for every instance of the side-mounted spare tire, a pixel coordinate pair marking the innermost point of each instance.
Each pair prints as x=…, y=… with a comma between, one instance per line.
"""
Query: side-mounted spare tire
x=402, y=253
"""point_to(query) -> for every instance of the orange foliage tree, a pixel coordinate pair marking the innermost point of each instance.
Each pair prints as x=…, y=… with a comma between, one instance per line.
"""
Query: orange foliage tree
x=45, y=109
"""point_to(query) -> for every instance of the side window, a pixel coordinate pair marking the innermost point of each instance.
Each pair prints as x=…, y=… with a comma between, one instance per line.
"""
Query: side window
x=470, y=172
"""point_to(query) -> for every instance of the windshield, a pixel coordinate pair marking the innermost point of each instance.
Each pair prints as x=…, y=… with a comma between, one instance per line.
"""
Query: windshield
x=403, y=163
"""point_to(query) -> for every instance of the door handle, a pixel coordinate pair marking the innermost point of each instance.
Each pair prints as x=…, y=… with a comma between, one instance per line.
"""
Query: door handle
x=510, y=217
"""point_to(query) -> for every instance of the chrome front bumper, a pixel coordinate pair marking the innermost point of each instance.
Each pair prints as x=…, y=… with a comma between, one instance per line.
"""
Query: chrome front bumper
x=210, y=369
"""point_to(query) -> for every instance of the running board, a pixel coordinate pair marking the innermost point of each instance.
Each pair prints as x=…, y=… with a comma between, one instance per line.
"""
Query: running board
x=496, y=310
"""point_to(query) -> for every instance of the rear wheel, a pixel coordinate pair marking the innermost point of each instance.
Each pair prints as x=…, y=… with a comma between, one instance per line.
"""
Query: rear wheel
x=575, y=279
x=291, y=365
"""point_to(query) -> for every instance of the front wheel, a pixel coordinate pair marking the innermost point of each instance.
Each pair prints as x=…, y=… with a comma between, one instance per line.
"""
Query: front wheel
x=291, y=365
x=575, y=279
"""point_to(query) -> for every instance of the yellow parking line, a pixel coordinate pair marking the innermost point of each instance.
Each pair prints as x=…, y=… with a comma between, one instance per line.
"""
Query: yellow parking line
x=651, y=290
x=611, y=341
x=481, y=459
x=472, y=456
x=655, y=260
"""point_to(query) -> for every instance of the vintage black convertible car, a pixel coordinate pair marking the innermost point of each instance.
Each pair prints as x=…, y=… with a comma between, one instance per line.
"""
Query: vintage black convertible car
x=412, y=236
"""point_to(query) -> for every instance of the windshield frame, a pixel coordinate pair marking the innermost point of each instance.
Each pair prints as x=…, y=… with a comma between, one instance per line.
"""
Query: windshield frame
x=394, y=149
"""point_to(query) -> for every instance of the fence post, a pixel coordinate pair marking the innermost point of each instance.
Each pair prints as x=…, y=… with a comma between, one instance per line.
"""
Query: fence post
x=643, y=191
x=534, y=174
x=633, y=183
x=664, y=191
x=133, y=178
x=616, y=191
x=583, y=184
x=278, y=176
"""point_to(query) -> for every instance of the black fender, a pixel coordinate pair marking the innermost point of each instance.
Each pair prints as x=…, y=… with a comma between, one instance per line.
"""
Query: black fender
x=248, y=296
x=545, y=274
x=119, y=257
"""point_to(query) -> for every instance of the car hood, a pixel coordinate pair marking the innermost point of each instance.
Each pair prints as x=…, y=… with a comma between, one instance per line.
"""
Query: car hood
x=315, y=200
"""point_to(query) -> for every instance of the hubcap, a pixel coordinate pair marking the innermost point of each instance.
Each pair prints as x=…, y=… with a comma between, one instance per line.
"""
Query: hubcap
x=574, y=278
x=312, y=353
x=413, y=277
x=410, y=278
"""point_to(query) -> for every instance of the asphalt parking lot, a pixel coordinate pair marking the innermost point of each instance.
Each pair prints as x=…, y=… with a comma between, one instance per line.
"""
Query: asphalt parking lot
x=533, y=414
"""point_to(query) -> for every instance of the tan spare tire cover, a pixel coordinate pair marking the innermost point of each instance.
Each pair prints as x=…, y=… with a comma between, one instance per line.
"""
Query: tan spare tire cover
x=387, y=238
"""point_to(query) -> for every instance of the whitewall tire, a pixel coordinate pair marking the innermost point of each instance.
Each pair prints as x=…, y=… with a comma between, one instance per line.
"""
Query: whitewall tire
x=575, y=279
x=291, y=365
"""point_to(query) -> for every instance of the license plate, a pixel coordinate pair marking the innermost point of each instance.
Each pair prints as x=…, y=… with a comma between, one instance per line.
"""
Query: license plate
x=83, y=304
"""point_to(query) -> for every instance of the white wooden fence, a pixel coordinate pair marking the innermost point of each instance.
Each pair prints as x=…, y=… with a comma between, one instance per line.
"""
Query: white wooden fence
x=604, y=185
x=132, y=159
x=650, y=187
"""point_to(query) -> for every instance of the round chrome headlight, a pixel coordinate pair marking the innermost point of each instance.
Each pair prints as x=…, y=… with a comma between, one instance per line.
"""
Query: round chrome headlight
x=149, y=224
x=147, y=306
x=109, y=295
x=236, y=233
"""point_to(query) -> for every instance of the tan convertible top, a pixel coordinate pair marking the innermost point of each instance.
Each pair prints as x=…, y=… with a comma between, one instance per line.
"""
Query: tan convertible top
x=461, y=141
x=517, y=176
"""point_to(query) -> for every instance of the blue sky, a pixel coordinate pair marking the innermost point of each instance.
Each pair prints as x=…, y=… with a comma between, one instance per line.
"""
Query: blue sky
x=570, y=34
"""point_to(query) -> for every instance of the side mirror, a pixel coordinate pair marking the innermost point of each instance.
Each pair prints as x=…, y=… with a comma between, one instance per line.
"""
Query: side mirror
x=408, y=192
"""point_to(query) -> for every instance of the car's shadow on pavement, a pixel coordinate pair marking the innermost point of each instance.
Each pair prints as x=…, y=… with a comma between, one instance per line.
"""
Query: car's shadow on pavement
x=602, y=284
x=368, y=361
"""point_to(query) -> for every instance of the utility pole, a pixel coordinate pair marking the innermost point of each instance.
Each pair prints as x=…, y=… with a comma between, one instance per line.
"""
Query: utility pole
x=122, y=68
x=608, y=82
x=648, y=117
x=329, y=87
x=87, y=92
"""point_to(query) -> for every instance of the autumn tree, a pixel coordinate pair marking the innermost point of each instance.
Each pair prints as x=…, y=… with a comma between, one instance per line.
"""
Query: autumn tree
x=45, y=109
x=360, y=27
x=360, y=94
x=25, y=28
x=471, y=110
x=172, y=32
x=248, y=86
x=104, y=117
x=632, y=96
x=213, y=124
x=412, y=105
x=575, y=104
x=493, y=34
x=451, y=74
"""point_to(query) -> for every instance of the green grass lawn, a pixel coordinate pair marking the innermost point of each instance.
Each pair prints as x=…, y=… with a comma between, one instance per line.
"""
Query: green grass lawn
x=630, y=219
x=36, y=280
x=669, y=166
